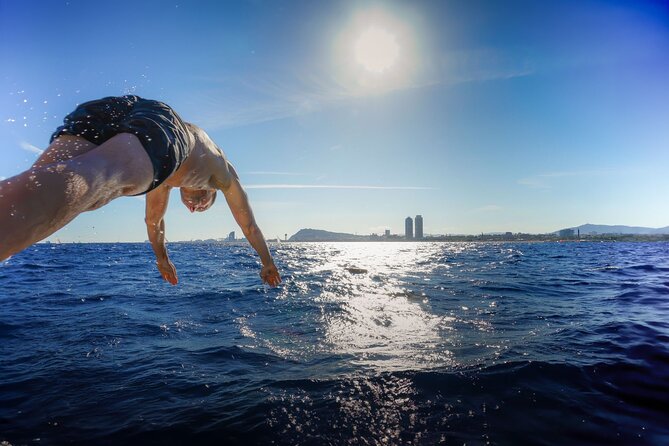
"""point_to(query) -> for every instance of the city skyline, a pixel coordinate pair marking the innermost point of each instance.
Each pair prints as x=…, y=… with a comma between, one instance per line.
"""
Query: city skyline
x=348, y=116
x=589, y=230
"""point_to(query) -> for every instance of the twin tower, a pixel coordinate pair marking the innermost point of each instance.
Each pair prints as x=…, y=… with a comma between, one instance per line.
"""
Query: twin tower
x=408, y=228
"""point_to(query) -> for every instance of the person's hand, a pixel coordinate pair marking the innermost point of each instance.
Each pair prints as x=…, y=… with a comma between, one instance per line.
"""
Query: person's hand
x=168, y=271
x=270, y=275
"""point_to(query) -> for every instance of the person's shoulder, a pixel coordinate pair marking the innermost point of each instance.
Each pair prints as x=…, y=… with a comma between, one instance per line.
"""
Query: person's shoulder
x=202, y=142
x=197, y=131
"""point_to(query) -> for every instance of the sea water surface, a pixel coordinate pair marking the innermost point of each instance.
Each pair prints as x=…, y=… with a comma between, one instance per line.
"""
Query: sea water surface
x=421, y=344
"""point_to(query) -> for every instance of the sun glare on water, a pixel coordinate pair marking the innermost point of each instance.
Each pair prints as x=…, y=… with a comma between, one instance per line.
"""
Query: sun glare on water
x=376, y=50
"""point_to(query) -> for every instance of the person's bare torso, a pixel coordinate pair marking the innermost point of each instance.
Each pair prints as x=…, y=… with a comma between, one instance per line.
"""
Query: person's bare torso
x=205, y=167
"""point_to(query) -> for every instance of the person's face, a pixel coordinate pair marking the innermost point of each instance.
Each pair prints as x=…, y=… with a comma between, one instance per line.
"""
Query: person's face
x=197, y=199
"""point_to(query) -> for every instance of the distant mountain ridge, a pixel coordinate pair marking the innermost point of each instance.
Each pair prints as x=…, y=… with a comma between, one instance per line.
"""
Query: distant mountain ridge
x=589, y=229
x=319, y=235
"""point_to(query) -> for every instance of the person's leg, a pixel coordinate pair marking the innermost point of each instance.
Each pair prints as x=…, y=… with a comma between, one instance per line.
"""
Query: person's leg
x=64, y=148
x=39, y=201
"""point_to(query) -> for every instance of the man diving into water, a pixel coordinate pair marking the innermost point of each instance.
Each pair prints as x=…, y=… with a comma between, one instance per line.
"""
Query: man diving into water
x=124, y=146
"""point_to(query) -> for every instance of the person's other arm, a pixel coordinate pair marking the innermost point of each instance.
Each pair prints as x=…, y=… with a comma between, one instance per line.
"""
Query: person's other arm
x=156, y=206
x=241, y=211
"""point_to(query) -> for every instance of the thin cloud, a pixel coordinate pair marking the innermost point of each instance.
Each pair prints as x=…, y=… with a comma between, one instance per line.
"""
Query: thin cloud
x=546, y=180
x=483, y=65
x=262, y=172
x=292, y=94
x=333, y=186
x=274, y=100
x=30, y=148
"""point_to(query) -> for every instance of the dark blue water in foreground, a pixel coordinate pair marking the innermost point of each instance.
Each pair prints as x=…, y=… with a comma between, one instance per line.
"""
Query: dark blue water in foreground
x=437, y=342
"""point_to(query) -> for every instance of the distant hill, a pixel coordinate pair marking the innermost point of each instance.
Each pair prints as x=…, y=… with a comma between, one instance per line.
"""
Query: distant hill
x=318, y=235
x=589, y=229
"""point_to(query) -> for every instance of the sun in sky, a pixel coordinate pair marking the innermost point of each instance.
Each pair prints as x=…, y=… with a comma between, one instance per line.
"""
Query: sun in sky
x=376, y=50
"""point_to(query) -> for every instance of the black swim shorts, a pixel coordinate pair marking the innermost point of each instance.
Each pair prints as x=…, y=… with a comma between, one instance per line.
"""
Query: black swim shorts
x=160, y=130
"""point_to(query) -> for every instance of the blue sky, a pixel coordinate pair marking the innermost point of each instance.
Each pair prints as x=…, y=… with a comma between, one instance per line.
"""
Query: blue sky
x=492, y=116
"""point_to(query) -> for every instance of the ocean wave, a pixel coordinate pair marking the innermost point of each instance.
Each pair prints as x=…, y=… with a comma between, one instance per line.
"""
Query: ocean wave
x=8, y=330
x=437, y=343
x=473, y=405
x=236, y=353
x=648, y=268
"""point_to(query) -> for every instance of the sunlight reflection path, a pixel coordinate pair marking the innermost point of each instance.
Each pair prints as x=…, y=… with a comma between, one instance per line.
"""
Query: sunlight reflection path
x=386, y=306
x=382, y=323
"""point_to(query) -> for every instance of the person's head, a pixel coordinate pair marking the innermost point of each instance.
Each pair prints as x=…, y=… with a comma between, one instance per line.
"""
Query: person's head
x=198, y=199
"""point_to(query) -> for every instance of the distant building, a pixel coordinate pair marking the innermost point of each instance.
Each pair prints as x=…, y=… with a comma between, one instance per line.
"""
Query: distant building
x=408, y=228
x=566, y=233
x=419, y=227
x=387, y=233
x=231, y=237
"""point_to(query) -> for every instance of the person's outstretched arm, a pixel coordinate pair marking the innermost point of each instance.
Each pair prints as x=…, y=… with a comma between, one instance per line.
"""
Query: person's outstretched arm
x=156, y=206
x=241, y=210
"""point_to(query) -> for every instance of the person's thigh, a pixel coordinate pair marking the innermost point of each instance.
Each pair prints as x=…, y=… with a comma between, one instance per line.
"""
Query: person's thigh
x=36, y=203
x=120, y=166
x=64, y=148
x=122, y=156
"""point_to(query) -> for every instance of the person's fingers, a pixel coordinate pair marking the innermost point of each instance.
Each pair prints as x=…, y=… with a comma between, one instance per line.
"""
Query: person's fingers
x=274, y=279
x=270, y=276
x=169, y=274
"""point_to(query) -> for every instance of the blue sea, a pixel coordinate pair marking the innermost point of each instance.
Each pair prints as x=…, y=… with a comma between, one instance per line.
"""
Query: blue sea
x=363, y=344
